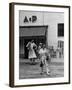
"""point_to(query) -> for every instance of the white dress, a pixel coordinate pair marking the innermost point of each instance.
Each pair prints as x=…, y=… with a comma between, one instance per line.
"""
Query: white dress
x=32, y=53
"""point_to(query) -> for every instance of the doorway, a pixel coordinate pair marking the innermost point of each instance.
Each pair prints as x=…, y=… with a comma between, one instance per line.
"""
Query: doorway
x=28, y=33
x=37, y=40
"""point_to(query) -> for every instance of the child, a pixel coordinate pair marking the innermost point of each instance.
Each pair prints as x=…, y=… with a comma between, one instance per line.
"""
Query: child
x=43, y=61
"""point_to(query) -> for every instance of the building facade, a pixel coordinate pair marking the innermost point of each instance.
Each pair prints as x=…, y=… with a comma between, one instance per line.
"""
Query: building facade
x=48, y=24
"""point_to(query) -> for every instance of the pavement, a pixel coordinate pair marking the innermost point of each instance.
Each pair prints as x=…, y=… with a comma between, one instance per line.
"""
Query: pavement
x=29, y=70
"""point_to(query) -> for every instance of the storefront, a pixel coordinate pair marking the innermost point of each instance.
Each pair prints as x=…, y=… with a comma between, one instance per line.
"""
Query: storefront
x=41, y=27
x=28, y=33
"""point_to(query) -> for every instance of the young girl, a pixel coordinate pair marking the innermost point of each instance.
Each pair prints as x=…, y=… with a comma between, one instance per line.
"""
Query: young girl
x=43, y=62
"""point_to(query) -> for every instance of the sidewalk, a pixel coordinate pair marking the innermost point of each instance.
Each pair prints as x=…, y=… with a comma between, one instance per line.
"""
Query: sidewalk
x=53, y=60
x=57, y=60
x=27, y=70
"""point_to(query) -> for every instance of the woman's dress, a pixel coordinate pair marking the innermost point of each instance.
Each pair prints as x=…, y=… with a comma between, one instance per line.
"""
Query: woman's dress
x=32, y=53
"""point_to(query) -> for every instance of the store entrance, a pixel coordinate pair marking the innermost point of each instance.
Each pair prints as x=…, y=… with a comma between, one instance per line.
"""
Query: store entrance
x=28, y=33
x=37, y=40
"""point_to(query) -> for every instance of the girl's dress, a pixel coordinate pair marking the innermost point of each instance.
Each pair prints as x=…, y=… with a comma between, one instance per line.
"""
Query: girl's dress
x=43, y=57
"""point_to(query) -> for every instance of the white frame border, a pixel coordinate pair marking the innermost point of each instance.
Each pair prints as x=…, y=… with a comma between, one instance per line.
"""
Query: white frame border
x=16, y=46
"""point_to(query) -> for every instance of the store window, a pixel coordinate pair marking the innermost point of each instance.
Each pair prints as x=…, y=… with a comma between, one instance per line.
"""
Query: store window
x=61, y=30
x=61, y=46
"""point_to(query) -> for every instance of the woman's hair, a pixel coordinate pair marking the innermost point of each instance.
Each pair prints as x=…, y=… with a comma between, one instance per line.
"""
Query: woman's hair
x=43, y=45
x=32, y=40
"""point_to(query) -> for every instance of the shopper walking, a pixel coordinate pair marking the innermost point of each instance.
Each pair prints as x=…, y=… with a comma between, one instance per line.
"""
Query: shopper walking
x=32, y=55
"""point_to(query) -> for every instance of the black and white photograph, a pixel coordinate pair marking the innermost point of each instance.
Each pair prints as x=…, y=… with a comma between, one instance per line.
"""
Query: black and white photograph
x=41, y=44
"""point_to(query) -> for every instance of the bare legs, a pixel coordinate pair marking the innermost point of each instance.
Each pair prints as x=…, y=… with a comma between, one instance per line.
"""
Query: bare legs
x=32, y=60
x=45, y=68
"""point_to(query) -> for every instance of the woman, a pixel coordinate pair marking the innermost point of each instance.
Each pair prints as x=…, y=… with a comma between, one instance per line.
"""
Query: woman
x=32, y=55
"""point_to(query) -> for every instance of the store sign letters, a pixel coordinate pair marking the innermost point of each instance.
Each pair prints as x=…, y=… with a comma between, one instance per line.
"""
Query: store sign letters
x=30, y=19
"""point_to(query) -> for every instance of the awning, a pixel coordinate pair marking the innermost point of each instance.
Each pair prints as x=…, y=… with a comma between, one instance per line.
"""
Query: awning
x=32, y=31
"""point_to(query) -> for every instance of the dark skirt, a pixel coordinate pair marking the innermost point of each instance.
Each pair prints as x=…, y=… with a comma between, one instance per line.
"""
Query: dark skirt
x=41, y=64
